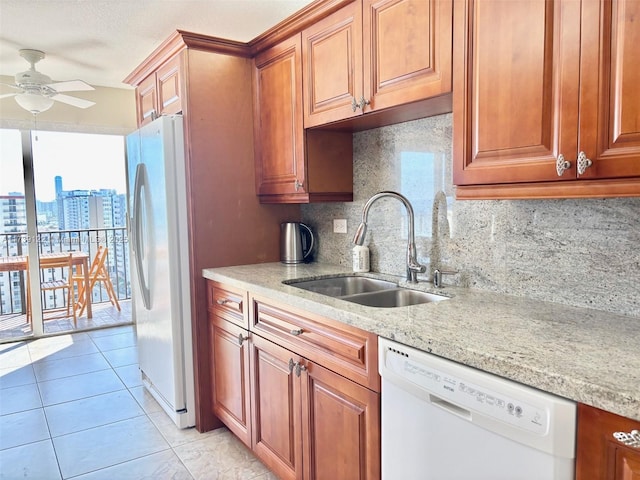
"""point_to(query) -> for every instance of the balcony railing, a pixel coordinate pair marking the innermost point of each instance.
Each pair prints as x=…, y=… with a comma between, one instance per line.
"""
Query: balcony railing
x=12, y=284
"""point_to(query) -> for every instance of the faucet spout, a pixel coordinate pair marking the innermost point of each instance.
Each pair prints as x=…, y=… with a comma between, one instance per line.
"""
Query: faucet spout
x=413, y=267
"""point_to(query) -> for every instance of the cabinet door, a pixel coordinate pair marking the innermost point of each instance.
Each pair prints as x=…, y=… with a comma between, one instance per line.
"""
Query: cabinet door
x=609, y=92
x=332, y=55
x=341, y=422
x=422, y=68
x=278, y=130
x=169, y=86
x=276, y=410
x=599, y=455
x=515, y=90
x=230, y=376
x=147, y=100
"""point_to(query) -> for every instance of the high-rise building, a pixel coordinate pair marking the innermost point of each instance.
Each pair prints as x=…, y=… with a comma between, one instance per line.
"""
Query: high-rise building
x=13, y=213
x=58, y=181
x=13, y=219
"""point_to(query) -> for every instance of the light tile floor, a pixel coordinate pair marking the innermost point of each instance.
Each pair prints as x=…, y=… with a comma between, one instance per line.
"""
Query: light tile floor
x=15, y=327
x=73, y=406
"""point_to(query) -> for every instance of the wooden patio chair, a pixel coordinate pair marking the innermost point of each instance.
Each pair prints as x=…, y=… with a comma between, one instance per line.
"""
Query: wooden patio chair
x=97, y=274
x=63, y=283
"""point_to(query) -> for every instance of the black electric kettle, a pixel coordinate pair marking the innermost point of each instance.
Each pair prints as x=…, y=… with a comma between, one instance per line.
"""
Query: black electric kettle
x=296, y=242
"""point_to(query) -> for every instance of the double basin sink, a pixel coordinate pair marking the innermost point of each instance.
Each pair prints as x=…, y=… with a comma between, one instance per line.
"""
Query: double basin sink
x=367, y=291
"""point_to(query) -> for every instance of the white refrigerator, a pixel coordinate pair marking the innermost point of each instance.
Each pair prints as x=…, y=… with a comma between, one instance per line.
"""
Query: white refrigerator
x=158, y=238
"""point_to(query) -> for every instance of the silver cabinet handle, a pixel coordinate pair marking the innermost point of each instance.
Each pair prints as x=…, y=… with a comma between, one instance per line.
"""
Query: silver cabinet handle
x=354, y=104
x=297, y=185
x=223, y=301
x=241, y=339
x=297, y=331
x=583, y=163
x=631, y=439
x=562, y=165
x=299, y=368
x=363, y=103
x=291, y=365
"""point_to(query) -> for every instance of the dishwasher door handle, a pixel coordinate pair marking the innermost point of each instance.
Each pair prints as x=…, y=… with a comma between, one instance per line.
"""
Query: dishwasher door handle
x=450, y=407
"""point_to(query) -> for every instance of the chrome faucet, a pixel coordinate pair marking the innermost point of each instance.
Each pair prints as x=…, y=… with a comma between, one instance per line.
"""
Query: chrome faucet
x=413, y=267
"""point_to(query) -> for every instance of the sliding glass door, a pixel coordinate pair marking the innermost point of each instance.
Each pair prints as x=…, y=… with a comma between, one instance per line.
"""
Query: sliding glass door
x=14, y=244
x=64, y=246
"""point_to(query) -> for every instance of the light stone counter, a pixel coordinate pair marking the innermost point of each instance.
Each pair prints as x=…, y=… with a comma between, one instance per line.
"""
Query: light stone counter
x=586, y=355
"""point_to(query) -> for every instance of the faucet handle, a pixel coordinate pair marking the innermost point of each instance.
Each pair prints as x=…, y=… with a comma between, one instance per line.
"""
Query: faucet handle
x=437, y=276
x=417, y=267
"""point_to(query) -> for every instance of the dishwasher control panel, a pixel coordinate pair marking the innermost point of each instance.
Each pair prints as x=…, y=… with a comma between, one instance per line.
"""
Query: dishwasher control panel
x=459, y=389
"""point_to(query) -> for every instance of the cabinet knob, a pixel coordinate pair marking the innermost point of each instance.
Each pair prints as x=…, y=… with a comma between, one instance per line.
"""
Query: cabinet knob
x=354, y=104
x=297, y=185
x=583, y=163
x=222, y=301
x=297, y=331
x=299, y=368
x=631, y=439
x=562, y=165
x=241, y=339
x=363, y=103
x=291, y=365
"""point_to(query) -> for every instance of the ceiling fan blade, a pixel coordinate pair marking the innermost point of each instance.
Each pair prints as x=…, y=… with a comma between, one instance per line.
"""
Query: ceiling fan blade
x=73, y=101
x=71, y=86
x=10, y=85
x=8, y=95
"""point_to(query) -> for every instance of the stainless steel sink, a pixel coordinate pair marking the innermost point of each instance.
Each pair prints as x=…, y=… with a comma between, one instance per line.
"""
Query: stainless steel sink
x=341, y=286
x=367, y=291
x=397, y=297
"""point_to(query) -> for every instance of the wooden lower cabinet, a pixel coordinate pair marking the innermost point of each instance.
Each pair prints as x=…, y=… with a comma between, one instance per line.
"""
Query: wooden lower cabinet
x=309, y=422
x=230, y=376
x=600, y=456
x=341, y=425
x=298, y=415
x=276, y=409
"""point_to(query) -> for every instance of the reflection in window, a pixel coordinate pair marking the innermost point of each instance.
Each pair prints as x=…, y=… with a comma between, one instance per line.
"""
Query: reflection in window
x=422, y=174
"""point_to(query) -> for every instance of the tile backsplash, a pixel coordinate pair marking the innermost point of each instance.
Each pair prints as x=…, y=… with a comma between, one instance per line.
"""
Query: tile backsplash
x=576, y=252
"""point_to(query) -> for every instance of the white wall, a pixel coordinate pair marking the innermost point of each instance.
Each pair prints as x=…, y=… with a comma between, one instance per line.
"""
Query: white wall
x=114, y=113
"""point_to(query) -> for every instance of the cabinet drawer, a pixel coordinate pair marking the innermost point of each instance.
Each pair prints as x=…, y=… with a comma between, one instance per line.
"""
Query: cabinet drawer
x=346, y=350
x=227, y=302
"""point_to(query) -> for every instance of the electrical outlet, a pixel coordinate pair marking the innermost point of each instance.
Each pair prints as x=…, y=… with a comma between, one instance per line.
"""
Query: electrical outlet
x=339, y=225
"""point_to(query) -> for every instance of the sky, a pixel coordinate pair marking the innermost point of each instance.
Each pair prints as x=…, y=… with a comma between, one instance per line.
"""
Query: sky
x=84, y=161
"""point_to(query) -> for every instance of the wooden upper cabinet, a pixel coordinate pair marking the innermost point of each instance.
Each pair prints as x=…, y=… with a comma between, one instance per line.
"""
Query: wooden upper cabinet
x=147, y=100
x=600, y=455
x=332, y=51
x=407, y=50
x=515, y=100
x=294, y=165
x=159, y=93
x=278, y=119
x=372, y=55
x=169, y=79
x=610, y=88
x=542, y=84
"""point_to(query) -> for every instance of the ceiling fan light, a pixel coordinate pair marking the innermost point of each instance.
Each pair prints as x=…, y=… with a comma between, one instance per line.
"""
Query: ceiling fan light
x=34, y=103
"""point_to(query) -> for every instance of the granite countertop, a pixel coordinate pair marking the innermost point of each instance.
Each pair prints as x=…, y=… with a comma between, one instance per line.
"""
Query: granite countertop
x=585, y=355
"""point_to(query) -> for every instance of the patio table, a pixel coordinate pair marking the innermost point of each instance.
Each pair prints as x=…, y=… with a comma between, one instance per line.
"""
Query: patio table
x=20, y=262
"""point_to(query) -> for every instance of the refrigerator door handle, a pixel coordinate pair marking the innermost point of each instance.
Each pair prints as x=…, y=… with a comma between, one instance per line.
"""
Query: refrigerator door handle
x=140, y=187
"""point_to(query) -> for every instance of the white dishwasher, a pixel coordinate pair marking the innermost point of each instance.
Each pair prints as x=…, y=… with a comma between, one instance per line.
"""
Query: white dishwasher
x=445, y=421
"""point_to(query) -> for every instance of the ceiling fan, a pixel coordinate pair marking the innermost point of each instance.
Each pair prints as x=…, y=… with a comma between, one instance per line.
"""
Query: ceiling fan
x=38, y=93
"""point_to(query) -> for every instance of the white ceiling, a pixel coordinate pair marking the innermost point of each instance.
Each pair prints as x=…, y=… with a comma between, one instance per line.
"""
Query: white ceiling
x=102, y=41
